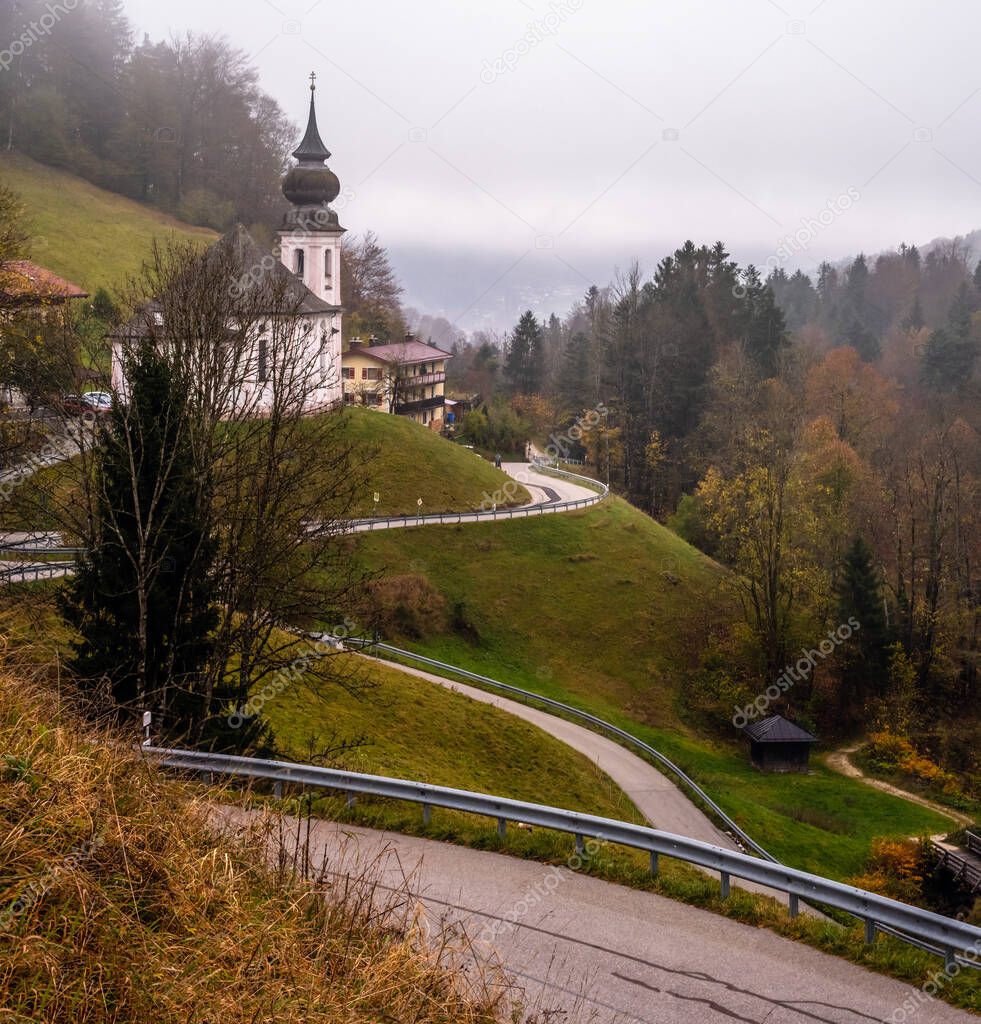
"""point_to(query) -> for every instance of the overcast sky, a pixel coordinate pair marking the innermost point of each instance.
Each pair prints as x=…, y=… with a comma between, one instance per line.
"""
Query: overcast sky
x=624, y=128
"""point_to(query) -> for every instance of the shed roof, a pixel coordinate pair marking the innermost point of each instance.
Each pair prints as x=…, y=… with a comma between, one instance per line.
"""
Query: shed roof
x=776, y=729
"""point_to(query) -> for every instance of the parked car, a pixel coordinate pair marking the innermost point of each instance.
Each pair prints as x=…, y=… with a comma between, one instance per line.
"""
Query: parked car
x=99, y=400
x=92, y=403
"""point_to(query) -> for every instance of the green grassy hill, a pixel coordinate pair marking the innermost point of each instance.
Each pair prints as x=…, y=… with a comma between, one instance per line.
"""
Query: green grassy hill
x=607, y=610
x=605, y=603
x=415, y=729
x=91, y=237
x=411, y=462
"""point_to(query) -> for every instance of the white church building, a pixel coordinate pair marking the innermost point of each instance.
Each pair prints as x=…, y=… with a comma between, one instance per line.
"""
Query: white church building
x=306, y=272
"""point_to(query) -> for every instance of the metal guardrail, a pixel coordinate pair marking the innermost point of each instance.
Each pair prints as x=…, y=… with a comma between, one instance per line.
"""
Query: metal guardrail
x=17, y=549
x=33, y=572
x=583, y=716
x=526, y=511
x=954, y=938
x=621, y=734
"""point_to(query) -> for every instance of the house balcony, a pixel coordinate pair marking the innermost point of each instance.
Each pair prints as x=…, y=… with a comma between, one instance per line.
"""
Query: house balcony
x=423, y=379
x=423, y=405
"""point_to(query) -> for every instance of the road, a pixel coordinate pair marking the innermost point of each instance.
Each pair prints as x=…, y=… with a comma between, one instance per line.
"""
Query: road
x=657, y=798
x=606, y=954
x=663, y=804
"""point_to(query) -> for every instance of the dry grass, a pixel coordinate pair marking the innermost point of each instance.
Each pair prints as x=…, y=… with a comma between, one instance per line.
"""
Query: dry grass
x=120, y=902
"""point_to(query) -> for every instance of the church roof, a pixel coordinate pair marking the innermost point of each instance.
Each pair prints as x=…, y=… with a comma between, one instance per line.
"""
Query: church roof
x=311, y=183
x=23, y=282
x=258, y=275
x=312, y=147
x=776, y=729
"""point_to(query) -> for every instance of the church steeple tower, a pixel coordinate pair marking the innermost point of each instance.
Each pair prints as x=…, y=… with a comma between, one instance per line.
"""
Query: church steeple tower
x=311, y=233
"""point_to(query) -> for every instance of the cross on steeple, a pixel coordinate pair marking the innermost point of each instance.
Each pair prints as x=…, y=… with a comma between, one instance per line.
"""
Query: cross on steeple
x=313, y=81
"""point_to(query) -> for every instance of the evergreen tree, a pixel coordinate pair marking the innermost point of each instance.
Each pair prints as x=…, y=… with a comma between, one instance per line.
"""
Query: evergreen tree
x=525, y=366
x=142, y=598
x=915, y=320
x=951, y=351
x=864, y=658
x=766, y=330
x=574, y=373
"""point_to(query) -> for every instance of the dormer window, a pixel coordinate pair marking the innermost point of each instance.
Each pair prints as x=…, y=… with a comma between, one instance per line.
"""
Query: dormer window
x=299, y=262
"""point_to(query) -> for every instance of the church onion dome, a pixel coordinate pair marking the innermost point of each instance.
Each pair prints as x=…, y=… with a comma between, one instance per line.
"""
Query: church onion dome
x=311, y=182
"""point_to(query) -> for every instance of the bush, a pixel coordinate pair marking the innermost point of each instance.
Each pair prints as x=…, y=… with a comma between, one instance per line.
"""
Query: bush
x=897, y=868
x=405, y=607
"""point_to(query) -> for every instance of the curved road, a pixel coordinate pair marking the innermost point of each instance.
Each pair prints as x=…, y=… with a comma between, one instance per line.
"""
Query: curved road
x=606, y=954
x=663, y=804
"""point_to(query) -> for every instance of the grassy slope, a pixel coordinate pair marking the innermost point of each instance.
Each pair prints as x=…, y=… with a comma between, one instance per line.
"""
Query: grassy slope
x=415, y=729
x=81, y=232
x=412, y=462
x=405, y=461
x=160, y=919
x=579, y=607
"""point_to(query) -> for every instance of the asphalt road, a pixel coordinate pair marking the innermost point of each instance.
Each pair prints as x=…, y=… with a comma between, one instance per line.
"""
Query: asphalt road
x=601, y=953
x=663, y=804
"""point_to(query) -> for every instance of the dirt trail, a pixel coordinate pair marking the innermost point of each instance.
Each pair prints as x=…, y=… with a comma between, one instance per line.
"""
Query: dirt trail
x=839, y=761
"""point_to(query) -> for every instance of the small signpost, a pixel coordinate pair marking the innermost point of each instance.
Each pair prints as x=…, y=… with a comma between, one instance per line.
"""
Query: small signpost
x=147, y=718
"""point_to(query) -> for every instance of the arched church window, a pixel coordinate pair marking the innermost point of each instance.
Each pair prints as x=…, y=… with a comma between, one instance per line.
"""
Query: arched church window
x=299, y=262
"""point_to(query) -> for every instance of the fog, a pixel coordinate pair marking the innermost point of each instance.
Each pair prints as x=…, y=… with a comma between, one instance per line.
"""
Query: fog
x=551, y=142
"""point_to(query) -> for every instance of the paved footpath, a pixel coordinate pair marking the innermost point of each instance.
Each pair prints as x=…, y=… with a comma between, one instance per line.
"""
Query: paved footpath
x=605, y=954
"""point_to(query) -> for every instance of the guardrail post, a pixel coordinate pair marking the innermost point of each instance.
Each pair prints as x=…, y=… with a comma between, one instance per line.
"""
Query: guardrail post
x=278, y=790
x=502, y=826
x=655, y=864
x=351, y=800
x=724, y=884
x=794, y=905
x=580, y=845
x=950, y=961
x=427, y=814
x=869, y=931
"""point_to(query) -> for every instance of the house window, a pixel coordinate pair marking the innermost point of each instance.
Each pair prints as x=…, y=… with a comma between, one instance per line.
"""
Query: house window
x=348, y=372
x=299, y=262
x=263, y=369
x=371, y=373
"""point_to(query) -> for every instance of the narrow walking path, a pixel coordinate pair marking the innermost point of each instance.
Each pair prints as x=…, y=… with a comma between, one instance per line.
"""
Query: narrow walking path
x=839, y=761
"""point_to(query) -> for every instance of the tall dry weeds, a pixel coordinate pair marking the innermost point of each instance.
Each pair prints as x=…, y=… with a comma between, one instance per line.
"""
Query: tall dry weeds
x=120, y=902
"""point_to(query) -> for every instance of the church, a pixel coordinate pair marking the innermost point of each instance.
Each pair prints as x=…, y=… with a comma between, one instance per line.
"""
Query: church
x=307, y=270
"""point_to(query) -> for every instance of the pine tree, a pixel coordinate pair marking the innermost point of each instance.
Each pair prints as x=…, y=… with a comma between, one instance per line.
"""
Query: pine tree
x=574, y=373
x=525, y=366
x=951, y=351
x=766, y=330
x=915, y=320
x=142, y=598
x=864, y=659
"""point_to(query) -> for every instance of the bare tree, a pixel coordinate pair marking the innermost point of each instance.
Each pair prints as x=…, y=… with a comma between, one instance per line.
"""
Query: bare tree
x=276, y=475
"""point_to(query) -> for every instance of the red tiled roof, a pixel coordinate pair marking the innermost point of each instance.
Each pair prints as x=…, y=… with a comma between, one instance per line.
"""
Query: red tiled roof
x=402, y=352
x=22, y=280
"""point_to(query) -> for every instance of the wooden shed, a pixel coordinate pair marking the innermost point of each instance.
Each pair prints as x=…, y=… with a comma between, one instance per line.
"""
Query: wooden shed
x=776, y=745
